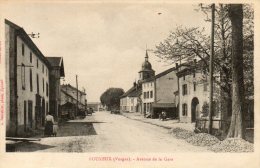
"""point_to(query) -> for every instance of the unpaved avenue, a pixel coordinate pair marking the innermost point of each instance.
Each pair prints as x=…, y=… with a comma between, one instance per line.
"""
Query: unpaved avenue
x=105, y=132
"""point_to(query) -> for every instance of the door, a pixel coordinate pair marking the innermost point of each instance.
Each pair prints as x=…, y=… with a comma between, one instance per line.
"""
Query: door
x=43, y=112
x=30, y=116
x=25, y=115
x=194, y=104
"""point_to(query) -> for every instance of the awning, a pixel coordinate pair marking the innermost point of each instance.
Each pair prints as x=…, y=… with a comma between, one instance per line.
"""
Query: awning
x=163, y=105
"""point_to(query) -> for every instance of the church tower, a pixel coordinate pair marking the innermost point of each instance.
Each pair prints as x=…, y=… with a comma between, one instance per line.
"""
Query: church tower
x=146, y=71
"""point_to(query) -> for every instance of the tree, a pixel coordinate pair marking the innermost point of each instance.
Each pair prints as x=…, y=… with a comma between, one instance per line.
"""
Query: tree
x=237, y=122
x=111, y=97
x=185, y=44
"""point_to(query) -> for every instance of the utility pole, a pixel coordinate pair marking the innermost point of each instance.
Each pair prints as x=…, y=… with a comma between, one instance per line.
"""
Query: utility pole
x=77, y=96
x=211, y=68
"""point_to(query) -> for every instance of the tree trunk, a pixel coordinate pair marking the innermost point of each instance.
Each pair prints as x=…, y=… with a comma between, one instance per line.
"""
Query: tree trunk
x=236, y=129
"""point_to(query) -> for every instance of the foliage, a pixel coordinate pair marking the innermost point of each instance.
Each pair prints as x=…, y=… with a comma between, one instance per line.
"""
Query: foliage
x=111, y=97
x=185, y=44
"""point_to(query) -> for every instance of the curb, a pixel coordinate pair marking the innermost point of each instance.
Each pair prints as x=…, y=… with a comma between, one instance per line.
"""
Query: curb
x=165, y=127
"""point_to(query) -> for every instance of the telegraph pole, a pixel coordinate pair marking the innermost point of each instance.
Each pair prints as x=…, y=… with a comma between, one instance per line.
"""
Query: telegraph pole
x=77, y=95
x=211, y=68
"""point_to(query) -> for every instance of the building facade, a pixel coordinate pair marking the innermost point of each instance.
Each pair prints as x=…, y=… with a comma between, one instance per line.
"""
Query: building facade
x=75, y=96
x=27, y=82
x=56, y=73
x=165, y=99
x=130, y=100
x=194, y=94
x=148, y=98
x=146, y=79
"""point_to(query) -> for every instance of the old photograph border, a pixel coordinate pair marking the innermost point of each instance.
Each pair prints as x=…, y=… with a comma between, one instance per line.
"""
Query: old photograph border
x=134, y=159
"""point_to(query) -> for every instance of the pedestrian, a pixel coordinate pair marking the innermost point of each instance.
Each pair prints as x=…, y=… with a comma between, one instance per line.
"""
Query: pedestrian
x=163, y=115
x=48, y=131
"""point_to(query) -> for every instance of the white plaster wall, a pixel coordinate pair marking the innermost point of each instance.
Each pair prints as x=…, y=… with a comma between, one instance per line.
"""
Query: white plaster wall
x=25, y=95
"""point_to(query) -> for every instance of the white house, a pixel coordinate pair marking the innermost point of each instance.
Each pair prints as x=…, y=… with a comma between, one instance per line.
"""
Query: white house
x=27, y=82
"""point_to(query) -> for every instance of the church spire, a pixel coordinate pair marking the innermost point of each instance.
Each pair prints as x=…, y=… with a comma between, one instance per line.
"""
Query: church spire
x=146, y=55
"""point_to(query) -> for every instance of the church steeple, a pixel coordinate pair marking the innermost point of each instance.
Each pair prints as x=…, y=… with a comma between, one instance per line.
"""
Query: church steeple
x=146, y=55
x=146, y=71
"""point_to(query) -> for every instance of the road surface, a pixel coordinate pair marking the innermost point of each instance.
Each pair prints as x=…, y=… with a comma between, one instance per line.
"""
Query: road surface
x=105, y=132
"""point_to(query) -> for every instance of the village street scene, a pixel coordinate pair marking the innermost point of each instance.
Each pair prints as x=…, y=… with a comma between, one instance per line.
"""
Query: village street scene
x=129, y=78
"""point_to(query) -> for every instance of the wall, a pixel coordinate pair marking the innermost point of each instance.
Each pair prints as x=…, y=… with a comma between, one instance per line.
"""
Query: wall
x=203, y=96
x=55, y=91
x=165, y=87
x=73, y=92
x=10, y=61
x=147, y=87
x=25, y=94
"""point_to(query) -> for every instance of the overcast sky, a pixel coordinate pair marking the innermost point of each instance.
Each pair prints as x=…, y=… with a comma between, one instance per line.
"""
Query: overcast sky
x=103, y=43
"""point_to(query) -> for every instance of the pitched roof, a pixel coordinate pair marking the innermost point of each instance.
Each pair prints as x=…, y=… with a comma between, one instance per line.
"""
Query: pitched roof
x=63, y=91
x=159, y=75
x=24, y=36
x=134, y=91
x=165, y=72
x=68, y=85
x=57, y=62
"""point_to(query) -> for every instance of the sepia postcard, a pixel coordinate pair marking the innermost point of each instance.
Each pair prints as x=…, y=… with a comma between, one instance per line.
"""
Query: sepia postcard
x=129, y=83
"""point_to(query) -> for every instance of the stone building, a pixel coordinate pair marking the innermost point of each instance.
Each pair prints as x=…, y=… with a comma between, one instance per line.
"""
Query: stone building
x=130, y=100
x=194, y=93
x=56, y=73
x=72, y=92
x=165, y=98
x=27, y=82
x=146, y=79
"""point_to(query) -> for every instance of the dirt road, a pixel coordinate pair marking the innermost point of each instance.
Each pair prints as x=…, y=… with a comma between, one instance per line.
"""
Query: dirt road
x=105, y=132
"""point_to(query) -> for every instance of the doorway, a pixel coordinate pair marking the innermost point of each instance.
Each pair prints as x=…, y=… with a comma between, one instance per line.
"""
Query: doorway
x=194, y=109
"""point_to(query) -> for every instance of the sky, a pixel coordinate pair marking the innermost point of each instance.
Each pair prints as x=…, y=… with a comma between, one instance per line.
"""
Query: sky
x=103, y=43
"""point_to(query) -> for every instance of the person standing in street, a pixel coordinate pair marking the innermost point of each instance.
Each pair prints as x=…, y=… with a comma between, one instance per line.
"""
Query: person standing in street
x=48, y=131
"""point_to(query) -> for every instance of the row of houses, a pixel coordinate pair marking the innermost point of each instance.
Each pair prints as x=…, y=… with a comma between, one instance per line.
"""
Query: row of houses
x=32, y=83
x=73, y=102
x=181, y=91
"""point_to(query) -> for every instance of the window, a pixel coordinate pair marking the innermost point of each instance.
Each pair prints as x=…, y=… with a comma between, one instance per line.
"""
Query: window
x=30, y=57
x=205, y=86
x=42, y=68
x=23, y=49
x=43, y=84
x=23, y=76
x=151, y=94
x=47, y=89
x=147, y=95
x=194, y=74
x=37, y=80
x=183, y=77
x=31, y=84
x=184, y=89
x=194, y=86
x=184, y=109
x=144, y=95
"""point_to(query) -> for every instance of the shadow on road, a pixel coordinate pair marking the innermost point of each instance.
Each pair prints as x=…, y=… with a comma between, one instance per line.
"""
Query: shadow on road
x=30, y=147
x=76, y=129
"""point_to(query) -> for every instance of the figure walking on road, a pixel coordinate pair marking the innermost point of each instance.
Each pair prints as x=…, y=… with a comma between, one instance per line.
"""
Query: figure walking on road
x=48, y=131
